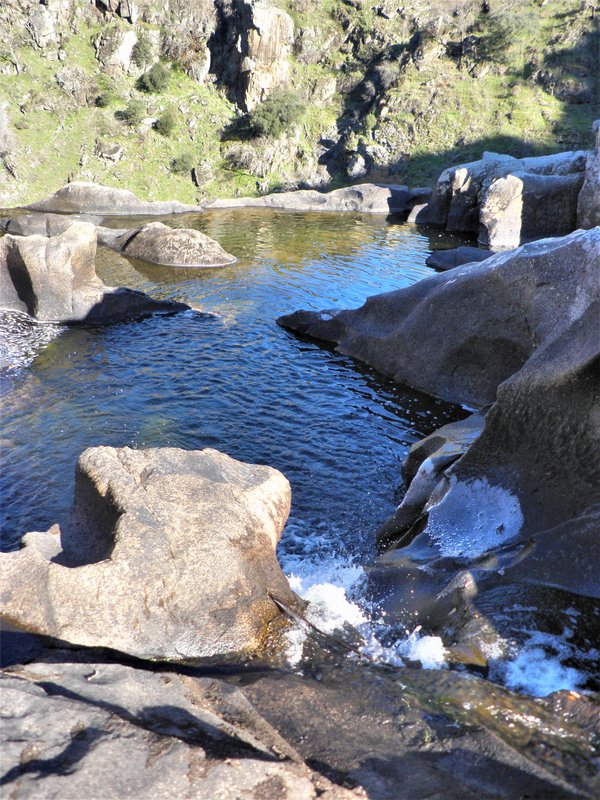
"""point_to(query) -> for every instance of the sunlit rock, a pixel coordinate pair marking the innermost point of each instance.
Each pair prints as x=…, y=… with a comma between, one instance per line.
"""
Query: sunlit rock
x=168, y=554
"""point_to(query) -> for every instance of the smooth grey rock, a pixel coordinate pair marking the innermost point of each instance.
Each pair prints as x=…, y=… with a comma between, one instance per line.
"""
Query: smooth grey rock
x=73, y=727
x=524, y=206
x=366, y=198
x=54, y=279
x=509, y=304
x=92, y=198
x=423, y=469
x=456, y=257
x=171, y=247
x=588, y=203
x=40, y=224
x=168, y=554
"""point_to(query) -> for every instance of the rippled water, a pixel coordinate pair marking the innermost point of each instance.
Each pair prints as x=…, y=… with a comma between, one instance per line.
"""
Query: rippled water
x=226, y=376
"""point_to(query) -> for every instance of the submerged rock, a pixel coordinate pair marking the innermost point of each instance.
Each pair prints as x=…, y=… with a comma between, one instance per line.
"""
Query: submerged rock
x=170, y=247
x=510, y=303
x=93, y=198
x=365, y=198
x=168, y=554
x=54, y=279
x=456, y=257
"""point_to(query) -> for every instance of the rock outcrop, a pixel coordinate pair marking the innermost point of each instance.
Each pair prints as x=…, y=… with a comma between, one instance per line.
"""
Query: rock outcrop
x=171, y=247
x=508, y=201
x=515, y=301
x=365, y=198
x=81, y=197
x=54, y=279
x=168, y=554
x=588, y=203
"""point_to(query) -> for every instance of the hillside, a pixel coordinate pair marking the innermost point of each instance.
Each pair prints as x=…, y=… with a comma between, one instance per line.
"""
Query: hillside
x=362, y=92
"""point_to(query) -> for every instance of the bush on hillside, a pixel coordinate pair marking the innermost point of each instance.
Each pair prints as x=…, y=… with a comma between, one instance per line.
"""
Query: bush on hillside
x=132, y=114
x=165, y=124
x=155, y=80
x=184, y=162
x=276, y=115
x=104, y=99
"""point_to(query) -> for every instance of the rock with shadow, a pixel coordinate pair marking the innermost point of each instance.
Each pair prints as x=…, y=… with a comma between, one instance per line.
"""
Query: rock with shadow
x=52, y=277
x=456, y=257
x=168, y=554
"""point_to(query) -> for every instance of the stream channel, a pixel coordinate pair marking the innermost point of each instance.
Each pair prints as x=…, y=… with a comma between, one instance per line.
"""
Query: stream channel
x=226, y=376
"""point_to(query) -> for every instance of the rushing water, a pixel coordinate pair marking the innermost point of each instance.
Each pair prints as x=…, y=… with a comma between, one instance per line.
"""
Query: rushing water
x=226, y=376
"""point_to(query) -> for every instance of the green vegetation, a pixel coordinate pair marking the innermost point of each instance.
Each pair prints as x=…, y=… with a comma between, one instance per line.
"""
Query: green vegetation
x=183, y=163
x=518, y=79
x=277, y=114
x=165, y=124
x=155, y=80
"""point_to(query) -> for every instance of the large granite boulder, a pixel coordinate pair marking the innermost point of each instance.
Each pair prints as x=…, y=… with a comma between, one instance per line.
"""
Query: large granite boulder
x=509, y=304
x=508, y=200
x=525, y=206
x=168, y=554
x=588, y=204
x=92, y=198
x=171, y=247
x=54, y=279
x=41, y=224
x=365, y=198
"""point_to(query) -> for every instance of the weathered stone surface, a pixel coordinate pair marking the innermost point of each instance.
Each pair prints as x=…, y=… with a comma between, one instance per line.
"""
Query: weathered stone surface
x=172, y=247
x=168, y=554
x=515, y=300
x=588, y=203
x=72, y=723
x=71, y=726
x=366, y=198
x=92, y=198
x=456, y=257
x=423, y=469
x=270, y=38
x=461, y=192
x=39, y=224
x=524, y=206
x=54, y=279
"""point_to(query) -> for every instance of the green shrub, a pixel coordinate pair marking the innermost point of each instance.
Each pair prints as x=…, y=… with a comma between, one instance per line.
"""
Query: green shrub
x=133, y=114
x=104, y=99
x=155, y=80
x=277, y=114
x=166, y=123
x=141, y=54
x=184, y=162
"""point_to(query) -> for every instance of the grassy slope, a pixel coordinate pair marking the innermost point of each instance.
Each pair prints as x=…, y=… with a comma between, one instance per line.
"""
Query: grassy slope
x=433, y=114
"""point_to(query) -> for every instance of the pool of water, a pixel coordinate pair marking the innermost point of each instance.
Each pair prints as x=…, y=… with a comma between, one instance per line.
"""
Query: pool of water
x=224, y=375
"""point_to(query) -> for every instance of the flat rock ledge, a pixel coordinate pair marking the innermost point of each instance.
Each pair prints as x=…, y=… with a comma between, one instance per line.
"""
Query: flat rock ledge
x=168, y=554
x=51, y=276
x=364, y=198
x=82, y=197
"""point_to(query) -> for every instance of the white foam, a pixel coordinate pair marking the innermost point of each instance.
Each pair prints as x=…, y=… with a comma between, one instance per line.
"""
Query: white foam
x=537, y=667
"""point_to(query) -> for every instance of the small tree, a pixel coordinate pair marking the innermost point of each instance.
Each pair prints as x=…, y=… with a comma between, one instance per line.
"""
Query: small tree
x=165, y=123
x=277, y=114
x=141, y=54
x=155, y=80
x=132, y=114
x=184, y=162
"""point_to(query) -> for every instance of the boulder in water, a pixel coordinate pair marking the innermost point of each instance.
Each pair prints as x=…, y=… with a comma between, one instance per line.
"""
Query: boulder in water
x=588, y=203
x=168, y=554
x=456, y=257
x=54, y=279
